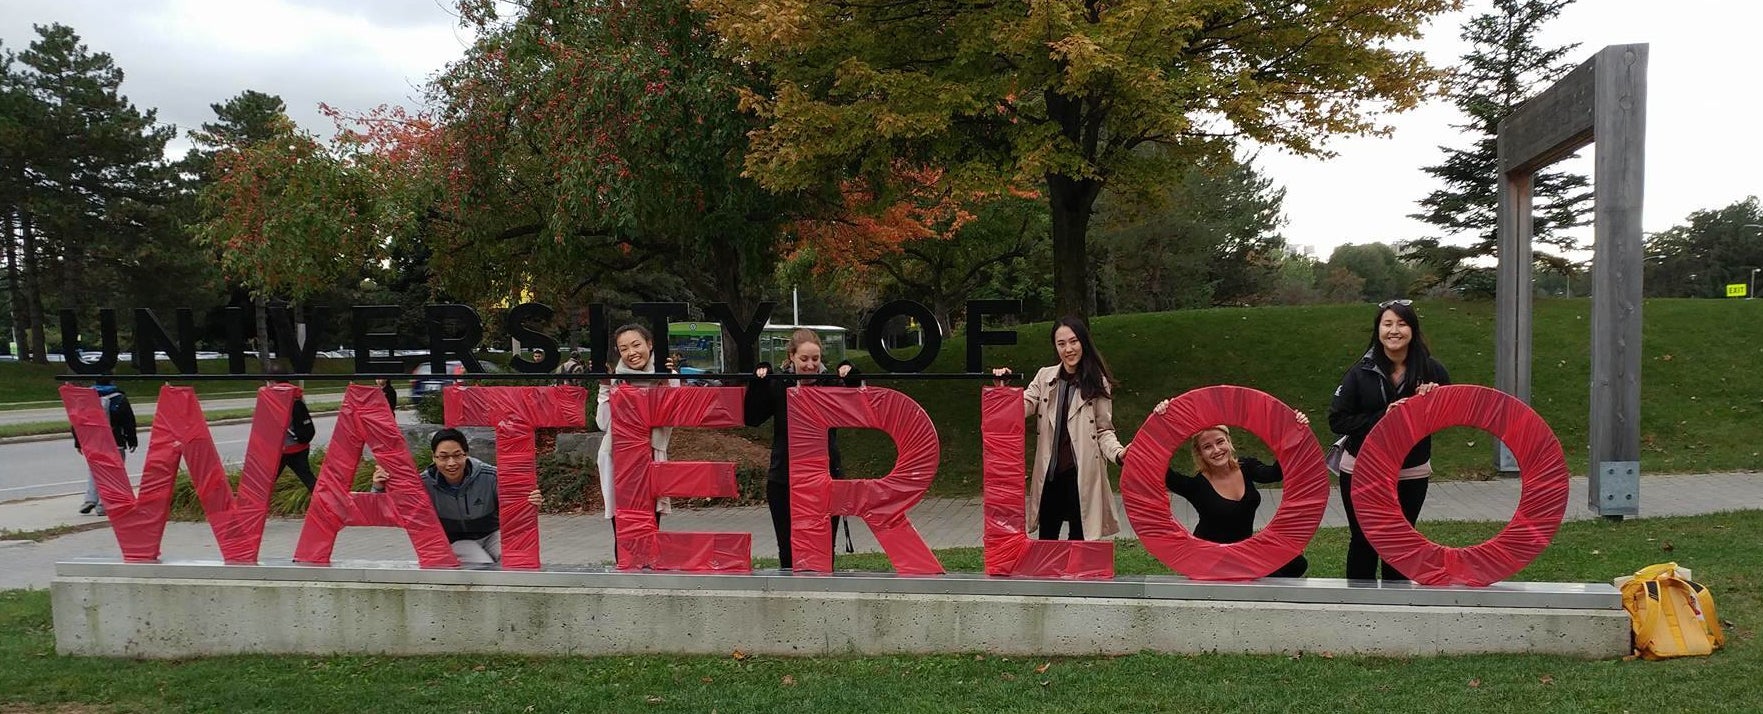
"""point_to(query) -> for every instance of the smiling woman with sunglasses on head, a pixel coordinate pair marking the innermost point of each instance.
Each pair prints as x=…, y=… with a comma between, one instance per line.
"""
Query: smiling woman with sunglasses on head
x=1396, y=367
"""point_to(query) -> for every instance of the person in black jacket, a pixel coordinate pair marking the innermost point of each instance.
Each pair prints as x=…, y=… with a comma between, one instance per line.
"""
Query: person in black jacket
x=122, y=426
x=1222, y=490
x=766, y=399
x=297, y=439
x=390, y=391
x=1396, y=367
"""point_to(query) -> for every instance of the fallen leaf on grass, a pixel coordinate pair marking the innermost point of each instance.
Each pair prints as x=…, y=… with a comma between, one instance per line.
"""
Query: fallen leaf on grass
x=1327, y=655
x=979, y=658
x=1043, y=668
x=1667, y=547
x=789, y=680
x=652, y=699
x=738, y=655
x=706, y=680
x=1008, y=677
x=1546, y=679
x=1475, y=683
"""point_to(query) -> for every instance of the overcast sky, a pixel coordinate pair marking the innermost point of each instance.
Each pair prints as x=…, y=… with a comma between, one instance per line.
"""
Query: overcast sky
x=1703, y=151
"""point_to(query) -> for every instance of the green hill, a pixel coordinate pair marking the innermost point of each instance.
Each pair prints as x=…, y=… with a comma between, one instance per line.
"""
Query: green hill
x=1701, y=389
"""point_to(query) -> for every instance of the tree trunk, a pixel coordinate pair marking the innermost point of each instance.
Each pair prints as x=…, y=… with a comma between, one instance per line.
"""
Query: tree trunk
x=262, y=337
x=15, y=295
x=1072, y=201
x=33, y=289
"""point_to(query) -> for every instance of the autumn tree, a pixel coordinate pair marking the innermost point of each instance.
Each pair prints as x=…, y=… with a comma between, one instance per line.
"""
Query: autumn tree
x=915, y=235
x=289, y=216
x=592, y=150
x=1504, y=67
x=1061, y=95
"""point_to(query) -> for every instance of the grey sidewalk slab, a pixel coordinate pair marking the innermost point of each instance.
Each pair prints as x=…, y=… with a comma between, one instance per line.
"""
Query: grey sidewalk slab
x=944, y=523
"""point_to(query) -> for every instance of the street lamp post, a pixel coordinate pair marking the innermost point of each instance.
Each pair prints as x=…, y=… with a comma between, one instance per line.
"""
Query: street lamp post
x=1751, y=294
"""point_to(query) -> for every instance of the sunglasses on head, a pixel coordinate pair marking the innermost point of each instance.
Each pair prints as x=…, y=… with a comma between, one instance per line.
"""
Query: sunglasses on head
x=1385, y=304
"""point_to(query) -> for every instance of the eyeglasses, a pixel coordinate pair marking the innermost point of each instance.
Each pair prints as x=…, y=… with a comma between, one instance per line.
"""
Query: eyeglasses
x=450, y=457
x=1385, y=304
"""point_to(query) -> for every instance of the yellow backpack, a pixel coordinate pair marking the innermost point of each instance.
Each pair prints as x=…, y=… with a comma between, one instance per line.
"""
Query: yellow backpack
x=1673, y=616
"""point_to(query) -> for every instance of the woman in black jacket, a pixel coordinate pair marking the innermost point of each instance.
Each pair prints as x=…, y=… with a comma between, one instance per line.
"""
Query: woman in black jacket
x=766, y=399
x=1395, y=368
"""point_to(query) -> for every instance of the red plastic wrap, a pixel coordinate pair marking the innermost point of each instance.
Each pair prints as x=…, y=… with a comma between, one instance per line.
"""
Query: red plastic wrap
x=367, y=419
x=1009, y=551
x=694, y=479
x=638, y=481
x=516, y=412
x=884, y=502
x=1302, y=503
x=1542, y=499
x=180, y=434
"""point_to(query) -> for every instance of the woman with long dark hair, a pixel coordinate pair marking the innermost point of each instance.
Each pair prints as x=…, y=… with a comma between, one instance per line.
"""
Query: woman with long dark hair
x=1396, y=367
x=1073, y=406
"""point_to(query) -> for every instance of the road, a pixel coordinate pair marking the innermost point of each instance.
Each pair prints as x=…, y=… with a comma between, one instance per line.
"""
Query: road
x=53, y=468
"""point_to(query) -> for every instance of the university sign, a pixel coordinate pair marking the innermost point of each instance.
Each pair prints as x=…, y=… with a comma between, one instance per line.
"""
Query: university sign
x=180, y=435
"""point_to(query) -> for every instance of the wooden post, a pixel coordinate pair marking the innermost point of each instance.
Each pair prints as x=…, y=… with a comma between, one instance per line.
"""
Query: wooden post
x=1513, y=297
x=1603, y=100
x=1620, y=125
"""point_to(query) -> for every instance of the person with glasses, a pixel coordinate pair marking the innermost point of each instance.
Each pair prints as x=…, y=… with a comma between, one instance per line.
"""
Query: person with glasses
x=1396, y=367
x=463, y=490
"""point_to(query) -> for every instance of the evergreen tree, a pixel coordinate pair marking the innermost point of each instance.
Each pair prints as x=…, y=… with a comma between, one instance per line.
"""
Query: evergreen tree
x=88, y=213
x=1503, y=68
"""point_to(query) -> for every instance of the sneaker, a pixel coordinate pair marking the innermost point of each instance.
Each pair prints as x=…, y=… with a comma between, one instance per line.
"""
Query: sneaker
x=99, y=512
x=87, y=507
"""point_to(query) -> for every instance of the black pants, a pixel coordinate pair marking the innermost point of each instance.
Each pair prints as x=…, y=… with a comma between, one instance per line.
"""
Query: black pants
x=1294, y=569
x=302, y=467
x=1059, y=505
x=777, y=497
x=615, y=534
x=1362, y=560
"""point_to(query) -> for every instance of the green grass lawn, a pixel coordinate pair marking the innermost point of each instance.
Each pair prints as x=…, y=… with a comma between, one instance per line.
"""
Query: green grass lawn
x=38, y=428
x=32, y=386
x=1701, y=388
x=1723, y=549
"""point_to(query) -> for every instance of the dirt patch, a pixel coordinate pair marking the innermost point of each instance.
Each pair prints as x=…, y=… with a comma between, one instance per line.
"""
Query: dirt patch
x=718, y=445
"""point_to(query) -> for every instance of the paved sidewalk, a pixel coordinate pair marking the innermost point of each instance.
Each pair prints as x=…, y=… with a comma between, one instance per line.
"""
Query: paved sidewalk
x=944, y=523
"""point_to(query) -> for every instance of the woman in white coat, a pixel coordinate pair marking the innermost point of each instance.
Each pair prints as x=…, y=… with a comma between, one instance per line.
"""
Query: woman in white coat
x=1069, y=483
x=635, y=349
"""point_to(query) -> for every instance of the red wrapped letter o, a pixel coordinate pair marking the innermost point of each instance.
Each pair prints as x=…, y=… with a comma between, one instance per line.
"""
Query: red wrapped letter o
x=1300, y=509
x=1542, y=499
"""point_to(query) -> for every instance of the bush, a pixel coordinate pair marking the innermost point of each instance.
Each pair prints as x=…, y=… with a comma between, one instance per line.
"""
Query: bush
x=429, y=410
x=288, y=499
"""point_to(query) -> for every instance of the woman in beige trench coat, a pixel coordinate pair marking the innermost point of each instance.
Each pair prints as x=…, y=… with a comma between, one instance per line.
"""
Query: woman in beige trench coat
x=1069, y=482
